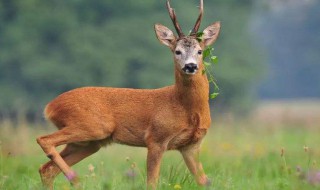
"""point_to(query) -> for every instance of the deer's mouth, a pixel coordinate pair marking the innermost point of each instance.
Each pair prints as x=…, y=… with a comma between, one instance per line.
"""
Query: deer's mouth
x=188, y=72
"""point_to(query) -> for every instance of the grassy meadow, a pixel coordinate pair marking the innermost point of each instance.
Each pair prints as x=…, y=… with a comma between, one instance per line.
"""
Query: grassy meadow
x=236, y=155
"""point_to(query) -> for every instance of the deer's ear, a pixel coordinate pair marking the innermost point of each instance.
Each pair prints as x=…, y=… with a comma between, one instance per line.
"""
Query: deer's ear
x=165, y=35
x=210, y=34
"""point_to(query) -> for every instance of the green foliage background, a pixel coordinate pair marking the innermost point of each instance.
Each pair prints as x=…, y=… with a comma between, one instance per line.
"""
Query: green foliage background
x=48, y=47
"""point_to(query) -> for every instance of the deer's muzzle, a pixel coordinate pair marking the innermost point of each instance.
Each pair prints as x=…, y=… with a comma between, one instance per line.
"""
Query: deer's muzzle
x=190, y=68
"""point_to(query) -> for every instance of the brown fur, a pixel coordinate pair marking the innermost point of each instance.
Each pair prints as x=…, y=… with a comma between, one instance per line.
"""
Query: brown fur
x=171, y=118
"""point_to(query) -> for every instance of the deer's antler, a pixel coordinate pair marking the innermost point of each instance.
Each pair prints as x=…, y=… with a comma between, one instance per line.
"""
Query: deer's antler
x=198, y=22
x=174, y=19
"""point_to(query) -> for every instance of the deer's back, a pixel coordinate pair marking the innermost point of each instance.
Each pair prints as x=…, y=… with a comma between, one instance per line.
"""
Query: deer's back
x=100, y=102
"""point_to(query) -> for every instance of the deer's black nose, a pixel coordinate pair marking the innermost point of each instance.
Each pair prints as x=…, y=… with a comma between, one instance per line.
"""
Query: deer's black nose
x=190, y=68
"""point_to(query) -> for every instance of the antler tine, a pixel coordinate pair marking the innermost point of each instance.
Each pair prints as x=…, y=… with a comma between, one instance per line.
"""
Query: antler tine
x=198, y=22
x=174, y=19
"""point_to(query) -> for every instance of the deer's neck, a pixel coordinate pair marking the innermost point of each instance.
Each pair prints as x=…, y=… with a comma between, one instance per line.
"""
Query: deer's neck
x=192, y=90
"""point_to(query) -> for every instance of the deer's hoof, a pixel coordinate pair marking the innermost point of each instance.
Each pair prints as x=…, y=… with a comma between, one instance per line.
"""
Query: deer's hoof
x=71, y=176
x=204, y=181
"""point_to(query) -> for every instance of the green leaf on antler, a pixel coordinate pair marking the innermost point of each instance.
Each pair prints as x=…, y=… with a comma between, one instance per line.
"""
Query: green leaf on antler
x=206, y=53
x=199, y=36
x=208, y=61
x=214, y=59
x=214, y=95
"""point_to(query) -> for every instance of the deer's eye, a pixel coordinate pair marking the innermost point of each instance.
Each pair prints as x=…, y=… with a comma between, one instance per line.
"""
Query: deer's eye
x=200, y=52
x=178, y=52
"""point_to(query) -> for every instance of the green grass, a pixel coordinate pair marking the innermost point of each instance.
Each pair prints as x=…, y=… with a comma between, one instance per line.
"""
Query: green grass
x=235, y=156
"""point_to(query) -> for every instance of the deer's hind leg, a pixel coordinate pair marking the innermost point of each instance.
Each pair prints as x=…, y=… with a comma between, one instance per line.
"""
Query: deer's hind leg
x=71, y=154
x=70, y=135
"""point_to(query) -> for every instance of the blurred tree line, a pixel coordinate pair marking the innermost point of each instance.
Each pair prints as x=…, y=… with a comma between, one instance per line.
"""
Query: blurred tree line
x=292, y=42
x=49, y=47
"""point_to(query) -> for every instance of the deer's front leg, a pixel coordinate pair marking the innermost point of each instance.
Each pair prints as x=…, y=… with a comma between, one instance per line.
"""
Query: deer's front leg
x=154, y=157
x=191, y=158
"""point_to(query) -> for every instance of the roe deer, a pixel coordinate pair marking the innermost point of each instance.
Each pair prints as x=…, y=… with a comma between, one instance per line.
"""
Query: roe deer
x=171, y=118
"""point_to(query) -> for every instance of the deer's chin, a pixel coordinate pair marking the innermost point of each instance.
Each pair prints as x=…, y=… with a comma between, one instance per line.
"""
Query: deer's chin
x=188, y=72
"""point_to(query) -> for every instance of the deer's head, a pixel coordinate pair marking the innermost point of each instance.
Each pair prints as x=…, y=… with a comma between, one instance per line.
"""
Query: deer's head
x=187, y=49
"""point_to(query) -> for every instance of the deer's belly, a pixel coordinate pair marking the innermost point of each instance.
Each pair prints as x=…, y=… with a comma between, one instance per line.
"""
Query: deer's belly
x=131, y=136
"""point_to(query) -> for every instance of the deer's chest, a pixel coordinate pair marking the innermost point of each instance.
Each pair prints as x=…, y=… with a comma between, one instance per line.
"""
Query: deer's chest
x=187, y=137
x=182, y=131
